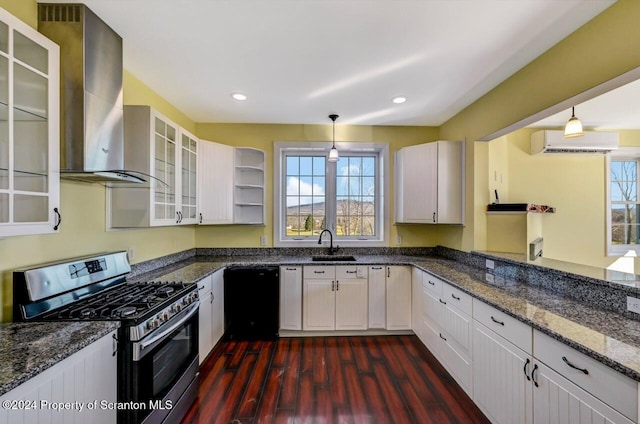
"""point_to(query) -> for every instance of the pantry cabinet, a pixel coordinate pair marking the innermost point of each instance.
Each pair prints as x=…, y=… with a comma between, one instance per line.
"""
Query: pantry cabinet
x=429, y=183
x=335, y=298
x=29, y=130
x=159, y=148
x=83, y=378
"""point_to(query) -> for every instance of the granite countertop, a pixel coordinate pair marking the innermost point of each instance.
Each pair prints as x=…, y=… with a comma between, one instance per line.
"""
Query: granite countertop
x=608, y=337
x=27, y=349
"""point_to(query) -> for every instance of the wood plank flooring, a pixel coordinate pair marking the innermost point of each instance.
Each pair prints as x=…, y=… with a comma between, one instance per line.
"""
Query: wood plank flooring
x=367, y=379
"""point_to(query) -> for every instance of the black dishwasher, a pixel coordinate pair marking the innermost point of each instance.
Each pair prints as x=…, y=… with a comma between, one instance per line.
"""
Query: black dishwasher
x=251, y=302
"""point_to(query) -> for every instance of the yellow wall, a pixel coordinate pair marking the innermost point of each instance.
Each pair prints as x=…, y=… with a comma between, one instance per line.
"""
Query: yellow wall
x=263, y=136
x=573, y=184
x=602, y=49
x=25, y=10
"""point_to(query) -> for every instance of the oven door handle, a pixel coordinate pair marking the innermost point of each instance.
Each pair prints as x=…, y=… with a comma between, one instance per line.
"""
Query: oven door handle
x=139, y=348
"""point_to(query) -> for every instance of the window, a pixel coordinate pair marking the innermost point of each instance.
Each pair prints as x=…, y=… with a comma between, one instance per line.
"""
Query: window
x=346, y=196
x=623, y=218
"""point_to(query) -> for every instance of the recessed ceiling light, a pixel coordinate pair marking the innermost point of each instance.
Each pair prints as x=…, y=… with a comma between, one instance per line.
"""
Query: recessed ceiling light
x=399, y=99
x=239, y=96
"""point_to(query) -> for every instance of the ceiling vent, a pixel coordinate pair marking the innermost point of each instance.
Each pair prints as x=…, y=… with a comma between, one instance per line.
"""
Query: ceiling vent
x=593, y=142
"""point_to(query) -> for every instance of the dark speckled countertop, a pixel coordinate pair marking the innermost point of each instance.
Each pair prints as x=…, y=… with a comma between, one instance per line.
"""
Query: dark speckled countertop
x=27, y=349
x=608, y=337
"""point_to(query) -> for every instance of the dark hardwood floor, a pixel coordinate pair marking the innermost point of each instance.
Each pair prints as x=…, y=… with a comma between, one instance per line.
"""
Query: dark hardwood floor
x=368, y=379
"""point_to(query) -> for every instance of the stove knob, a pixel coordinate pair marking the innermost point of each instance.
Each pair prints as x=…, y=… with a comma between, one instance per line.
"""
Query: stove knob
x=194, y=297
x=164, y=316
x=151, y=324
x=178, y=307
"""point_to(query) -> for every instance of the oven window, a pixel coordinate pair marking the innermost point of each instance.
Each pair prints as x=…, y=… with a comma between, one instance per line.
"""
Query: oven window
x=171, y=359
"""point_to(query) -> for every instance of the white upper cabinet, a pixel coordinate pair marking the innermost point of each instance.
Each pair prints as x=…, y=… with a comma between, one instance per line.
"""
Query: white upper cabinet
x=231, y=184
x=29, y=130
x=159, y=148
x=429, y=182
x=215, y=183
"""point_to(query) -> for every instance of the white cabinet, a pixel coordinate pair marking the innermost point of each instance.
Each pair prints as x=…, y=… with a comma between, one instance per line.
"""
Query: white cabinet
x=231, y=184
x=335, y=298
x=446, y=328
x=215, y=183
x=217, y=305
x=168, y=154
x=513, y=381
x=377, y=297
x=211, y=313
x=398, y=297
x=249, y=182
x=291, y=297
x=205, y=318
x=83, y=378
x=29, y=130
x=416, y=303
x=429, y=182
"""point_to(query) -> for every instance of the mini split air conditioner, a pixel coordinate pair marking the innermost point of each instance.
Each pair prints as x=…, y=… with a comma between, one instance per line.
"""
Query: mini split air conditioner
x=593, y=142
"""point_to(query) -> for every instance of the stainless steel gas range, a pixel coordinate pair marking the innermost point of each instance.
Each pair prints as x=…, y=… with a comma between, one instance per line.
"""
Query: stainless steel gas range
x=157, y=339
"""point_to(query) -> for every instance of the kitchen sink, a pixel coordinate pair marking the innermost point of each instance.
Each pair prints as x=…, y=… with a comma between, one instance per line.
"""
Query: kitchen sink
x=333, y=258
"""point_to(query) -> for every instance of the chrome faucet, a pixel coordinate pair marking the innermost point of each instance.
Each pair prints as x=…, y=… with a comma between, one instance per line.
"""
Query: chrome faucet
x=332, y=249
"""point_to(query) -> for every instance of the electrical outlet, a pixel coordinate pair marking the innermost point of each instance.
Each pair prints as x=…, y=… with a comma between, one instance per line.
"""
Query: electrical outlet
x=263, y=240
x=490, y=264
x=131, y=253
x=490, y=278
x=633, y=304
x=398, y=239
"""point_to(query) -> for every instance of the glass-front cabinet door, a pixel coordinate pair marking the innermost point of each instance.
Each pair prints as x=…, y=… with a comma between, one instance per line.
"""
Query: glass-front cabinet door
x=189, y=192
x=29, y=130
x=164, y=185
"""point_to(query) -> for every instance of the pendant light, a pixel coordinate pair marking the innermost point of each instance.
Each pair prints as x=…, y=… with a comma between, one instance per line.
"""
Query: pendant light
x=333, y=153
x=573, y=127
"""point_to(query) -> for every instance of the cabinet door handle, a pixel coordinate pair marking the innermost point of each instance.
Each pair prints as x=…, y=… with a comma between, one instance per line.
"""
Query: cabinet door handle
x=526, y=365
x=318, y=272
x=201, y=217
x=337, y=285
x=212, y=297
x=533, y=375
x=115, y=345
x=388, y=271
x=291, y=269
x=333, y=286
x=443, y=337
x=351, y=272
x=431, y=282
x=455, y=297
x=177, y=217
x=377, y=268
x=201, y=287
x=496, y=321
x=180, y=216
x=434, y=217
x=58, y=219
x=584, y=370
x=442, y=301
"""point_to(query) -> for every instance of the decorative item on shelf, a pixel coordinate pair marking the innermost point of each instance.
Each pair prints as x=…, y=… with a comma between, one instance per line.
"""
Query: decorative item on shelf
x=333, y=153
x=574, y=126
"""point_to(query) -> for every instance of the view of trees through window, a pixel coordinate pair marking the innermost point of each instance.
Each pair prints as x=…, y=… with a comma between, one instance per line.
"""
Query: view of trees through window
x=354, y=183
x=625, y=224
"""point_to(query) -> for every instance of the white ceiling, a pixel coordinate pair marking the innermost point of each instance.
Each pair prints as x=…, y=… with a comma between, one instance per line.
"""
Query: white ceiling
x=617, y=109
x=300, y=60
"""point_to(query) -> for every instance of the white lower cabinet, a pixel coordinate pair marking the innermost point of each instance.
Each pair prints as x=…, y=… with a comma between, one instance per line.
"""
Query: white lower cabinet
x=291, y=297
x=513, y=381
x=210, y=313
x=335, y=298
x=377, y=297
x=447, y=327
x=83, y=378
x=398, y=297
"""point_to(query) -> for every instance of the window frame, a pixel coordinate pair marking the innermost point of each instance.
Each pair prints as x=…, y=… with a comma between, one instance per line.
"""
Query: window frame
x=284, y=148
x=622, y=154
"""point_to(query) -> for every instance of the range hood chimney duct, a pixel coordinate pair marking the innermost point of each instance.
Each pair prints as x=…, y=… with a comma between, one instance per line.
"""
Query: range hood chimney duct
x=91, y=112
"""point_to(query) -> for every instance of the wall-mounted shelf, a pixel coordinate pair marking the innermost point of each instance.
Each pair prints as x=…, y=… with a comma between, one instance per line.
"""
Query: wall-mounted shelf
x=249, y=180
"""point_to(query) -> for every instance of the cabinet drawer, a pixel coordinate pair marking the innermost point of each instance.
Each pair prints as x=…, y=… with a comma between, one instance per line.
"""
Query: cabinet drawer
x=344, y=272
x=319, y=272
x=611, y=387
x=431, y=283
x=457, y=298
x=204, y=285
x=506, y=326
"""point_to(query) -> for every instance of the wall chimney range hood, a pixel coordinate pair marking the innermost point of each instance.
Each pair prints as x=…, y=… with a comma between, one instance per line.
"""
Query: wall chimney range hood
x=91, y=112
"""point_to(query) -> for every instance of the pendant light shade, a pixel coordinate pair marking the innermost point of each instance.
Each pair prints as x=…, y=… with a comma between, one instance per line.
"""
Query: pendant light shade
x=333, y=153
x=573, y=127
